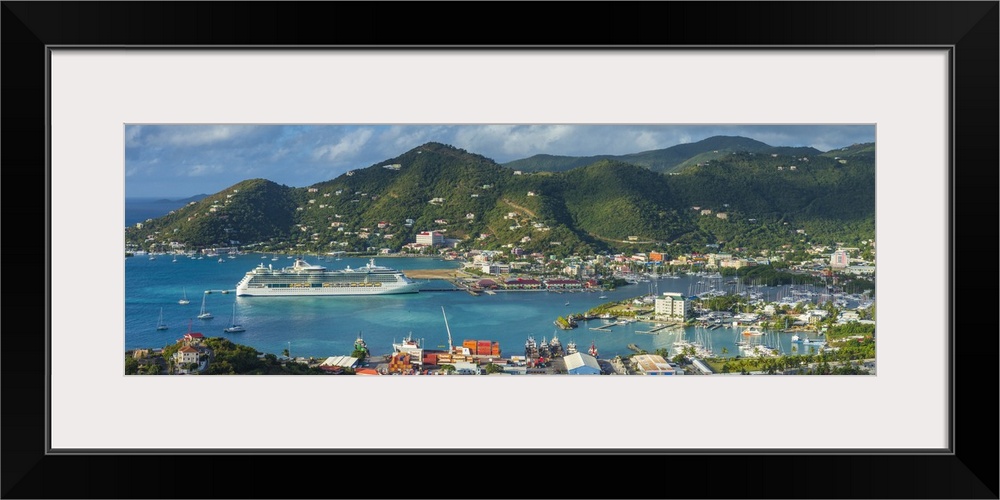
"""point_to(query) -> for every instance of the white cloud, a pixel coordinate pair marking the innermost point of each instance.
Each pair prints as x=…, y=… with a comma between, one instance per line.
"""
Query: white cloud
x=201, y=169
x=199, y=135
x=348, y=146
x=646, y=140
x=132, y=134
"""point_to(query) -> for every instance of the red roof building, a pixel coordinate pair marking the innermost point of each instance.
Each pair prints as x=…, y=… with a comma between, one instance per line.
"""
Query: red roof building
x=192, y=338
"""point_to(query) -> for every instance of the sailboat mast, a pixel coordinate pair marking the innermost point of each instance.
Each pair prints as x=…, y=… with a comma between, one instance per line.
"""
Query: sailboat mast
x=446, y=327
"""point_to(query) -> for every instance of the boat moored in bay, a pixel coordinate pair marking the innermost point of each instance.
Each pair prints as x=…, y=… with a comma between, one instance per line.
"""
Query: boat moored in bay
x=305, y=279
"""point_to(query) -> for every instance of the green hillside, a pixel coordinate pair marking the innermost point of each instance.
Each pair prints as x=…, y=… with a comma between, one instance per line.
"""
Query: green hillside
x=765, y=200
x=662, y=160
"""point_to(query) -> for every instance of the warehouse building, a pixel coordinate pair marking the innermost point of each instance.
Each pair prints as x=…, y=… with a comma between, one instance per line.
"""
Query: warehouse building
x=582, y=364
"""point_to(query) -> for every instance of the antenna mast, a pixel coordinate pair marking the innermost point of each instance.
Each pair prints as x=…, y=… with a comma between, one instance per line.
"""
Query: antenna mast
x=447, y=328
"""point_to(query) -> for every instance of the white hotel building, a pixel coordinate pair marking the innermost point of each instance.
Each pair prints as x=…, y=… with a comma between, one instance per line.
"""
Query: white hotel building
x=672, y=305
x=430, y=238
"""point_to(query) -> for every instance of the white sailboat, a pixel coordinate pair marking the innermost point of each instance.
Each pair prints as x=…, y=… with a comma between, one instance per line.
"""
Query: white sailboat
x=234, y=327
x=184, y=299
x=160, y=325
x=204, y=313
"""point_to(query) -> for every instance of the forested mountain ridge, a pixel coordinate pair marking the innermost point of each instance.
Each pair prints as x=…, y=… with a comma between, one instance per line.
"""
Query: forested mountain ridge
x=672, y=159
x=740, y=198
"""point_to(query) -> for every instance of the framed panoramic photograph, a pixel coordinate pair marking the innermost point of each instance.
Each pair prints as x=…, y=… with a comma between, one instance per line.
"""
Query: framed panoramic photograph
x=390, y=250
x=618, y=251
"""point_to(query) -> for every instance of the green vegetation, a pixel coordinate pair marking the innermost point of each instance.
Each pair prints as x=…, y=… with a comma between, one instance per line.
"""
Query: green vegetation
x=770, y=276
x=660, y=160
x=838, y=362
x=563, y=323
x=493, y=368
x=609, y=203
x=837, y=332
x=227, y=358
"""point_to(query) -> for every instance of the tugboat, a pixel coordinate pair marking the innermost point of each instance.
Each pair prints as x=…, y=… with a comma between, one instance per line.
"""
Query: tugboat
x=571, y=348
x=593, y=349
x=360, y=345
x=408, y=345
x=530, y=348
x=543, y=349
x=555, y=346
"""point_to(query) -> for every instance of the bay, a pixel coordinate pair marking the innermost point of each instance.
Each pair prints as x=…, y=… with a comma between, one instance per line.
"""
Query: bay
x=328, y=326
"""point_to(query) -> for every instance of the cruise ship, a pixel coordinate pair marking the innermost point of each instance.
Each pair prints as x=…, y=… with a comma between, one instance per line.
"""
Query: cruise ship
x=305, y=279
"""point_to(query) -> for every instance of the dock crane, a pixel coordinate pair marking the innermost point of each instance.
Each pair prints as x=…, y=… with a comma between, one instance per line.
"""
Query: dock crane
x=446, y=327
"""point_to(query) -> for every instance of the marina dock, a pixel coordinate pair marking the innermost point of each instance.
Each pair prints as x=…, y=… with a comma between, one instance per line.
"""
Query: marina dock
x=656, y=330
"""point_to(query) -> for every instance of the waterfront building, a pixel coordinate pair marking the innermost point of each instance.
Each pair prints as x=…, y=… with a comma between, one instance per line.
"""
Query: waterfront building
x=563, y=284
x=341, y=361
x=672, y=305
x=651, y=364
x=582, y=364
x=466, y=368
x=522, y=284
x=495, y=269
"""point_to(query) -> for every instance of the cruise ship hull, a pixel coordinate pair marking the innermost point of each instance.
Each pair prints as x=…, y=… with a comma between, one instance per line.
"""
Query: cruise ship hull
x=320, y=291
x=306, y=280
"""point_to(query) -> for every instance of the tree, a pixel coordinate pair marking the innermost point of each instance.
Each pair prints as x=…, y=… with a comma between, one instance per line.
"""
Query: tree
x=493, y=368
x=448, y=369
x=361, y=354
x=131, y=366
x=191, y=367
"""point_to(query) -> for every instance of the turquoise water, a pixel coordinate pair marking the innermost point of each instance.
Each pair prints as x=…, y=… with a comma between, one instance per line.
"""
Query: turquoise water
x=325, y=326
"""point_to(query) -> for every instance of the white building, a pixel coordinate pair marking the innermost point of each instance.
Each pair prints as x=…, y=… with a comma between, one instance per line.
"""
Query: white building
x=672, y=305
x=430, y=238
x=582, y=364
x=840, y=259
x=185, y=355
x=651, y=364
x=341, y=361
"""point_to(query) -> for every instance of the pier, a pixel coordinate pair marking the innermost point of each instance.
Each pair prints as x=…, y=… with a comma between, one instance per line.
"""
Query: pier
x=656, y=330
x=604, y=328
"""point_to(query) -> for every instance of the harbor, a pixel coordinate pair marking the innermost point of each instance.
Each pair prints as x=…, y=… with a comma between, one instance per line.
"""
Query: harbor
x=320, y=327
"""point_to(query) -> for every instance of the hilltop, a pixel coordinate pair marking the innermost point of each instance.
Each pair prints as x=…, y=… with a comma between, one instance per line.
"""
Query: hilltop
x=737, y=198
x=670, y=159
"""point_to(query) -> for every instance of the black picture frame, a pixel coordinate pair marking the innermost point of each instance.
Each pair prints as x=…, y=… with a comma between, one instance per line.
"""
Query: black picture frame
x=970, y=29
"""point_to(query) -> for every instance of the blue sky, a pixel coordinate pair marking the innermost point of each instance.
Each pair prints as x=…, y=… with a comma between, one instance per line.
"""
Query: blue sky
x=176, y=161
